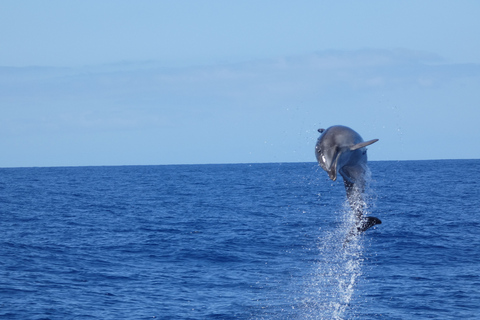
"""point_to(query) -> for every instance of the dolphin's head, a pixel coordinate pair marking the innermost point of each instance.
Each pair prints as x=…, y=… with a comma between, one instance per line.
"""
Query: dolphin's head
x=341, y=148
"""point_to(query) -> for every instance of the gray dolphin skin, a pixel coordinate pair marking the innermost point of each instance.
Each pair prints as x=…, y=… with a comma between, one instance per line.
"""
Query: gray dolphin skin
x=340, y=149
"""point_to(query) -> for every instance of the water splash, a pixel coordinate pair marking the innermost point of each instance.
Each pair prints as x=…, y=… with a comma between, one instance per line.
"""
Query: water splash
x=331, y=287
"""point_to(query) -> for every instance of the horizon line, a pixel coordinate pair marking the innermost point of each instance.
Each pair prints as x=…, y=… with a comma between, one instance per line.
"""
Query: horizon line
x=213, y=164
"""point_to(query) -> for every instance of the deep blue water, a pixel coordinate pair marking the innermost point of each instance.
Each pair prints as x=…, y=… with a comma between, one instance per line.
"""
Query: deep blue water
x=260, y=241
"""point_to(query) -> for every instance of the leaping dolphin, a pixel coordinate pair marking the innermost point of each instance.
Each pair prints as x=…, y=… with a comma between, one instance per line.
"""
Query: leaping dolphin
x=340, y=149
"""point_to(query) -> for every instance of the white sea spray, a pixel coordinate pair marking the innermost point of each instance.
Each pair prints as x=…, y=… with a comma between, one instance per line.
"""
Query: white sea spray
x=331, y=287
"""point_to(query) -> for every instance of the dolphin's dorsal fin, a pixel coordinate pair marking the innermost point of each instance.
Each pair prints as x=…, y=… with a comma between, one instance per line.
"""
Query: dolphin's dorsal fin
x=362, y=144
x=321, y=130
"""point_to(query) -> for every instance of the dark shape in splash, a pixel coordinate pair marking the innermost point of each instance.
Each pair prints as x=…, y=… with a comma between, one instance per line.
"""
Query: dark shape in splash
x=340, y=149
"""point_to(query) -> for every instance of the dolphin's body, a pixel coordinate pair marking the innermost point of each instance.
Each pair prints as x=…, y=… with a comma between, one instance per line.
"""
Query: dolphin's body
x=340, y=149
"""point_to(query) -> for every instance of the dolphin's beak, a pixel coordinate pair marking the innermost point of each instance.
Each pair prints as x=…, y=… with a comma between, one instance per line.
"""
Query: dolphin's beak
x=332, y=171
x=332, y=174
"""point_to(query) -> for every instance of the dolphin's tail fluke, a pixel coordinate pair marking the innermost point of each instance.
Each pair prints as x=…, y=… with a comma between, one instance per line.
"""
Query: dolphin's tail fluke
x=362, y=225
x=366, y=223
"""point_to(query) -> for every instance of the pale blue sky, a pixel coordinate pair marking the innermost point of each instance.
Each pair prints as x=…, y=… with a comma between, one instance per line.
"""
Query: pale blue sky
x=162, y=82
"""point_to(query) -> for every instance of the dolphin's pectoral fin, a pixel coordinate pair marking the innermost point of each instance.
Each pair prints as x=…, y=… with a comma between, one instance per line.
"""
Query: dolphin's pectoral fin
x=366, y=223
x=347, y=180
x=362, y=144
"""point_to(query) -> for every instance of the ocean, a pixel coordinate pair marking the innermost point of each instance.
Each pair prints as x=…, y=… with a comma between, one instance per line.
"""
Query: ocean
x=238, y=241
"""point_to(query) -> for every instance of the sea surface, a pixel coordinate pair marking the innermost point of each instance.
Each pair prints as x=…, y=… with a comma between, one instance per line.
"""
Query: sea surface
x=238, y=241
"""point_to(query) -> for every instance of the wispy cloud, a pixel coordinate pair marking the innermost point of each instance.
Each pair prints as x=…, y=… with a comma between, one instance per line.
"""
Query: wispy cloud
x=223, y=103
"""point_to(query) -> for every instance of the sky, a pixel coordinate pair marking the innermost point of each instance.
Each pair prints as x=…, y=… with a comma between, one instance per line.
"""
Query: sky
x=193, y=82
